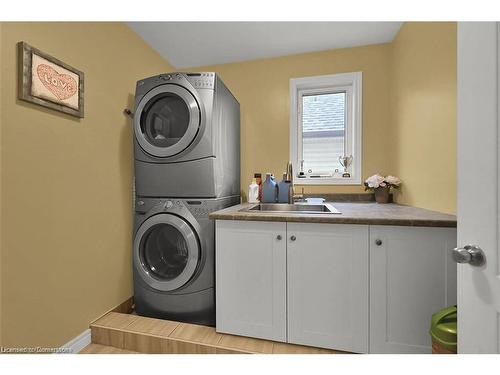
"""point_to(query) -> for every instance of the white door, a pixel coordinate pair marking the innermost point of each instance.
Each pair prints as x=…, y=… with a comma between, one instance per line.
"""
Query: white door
x=478, y=174
x=251, y=279
x=328, y=285
x=411, y=277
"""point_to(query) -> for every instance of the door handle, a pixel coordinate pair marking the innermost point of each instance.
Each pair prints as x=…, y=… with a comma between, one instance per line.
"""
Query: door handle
x=471, y=254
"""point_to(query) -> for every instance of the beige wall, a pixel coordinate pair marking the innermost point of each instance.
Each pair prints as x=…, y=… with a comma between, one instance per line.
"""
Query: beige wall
x=262, y=88
x=409, y=110
x=67, y=184
x=423, y=110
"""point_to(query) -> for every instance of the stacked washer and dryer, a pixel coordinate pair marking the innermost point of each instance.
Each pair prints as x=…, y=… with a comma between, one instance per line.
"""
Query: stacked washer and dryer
x=187, y=165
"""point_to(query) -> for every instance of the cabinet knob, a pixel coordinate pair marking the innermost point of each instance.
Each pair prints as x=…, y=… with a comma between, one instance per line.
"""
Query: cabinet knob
x=278, y=237
x=378, y=242
x=293, y=238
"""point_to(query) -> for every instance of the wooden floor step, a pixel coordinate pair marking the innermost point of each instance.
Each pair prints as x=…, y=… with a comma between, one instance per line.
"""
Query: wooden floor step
x=103, y=349
x=135, y=333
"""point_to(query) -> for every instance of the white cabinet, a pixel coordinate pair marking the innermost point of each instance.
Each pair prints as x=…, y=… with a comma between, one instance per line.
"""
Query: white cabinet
x=356, y=288
x=251, y=278
x=328, y=285
x=412, y=276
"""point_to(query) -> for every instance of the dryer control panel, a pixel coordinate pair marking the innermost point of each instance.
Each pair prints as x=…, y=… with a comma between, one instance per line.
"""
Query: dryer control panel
x=201, y=80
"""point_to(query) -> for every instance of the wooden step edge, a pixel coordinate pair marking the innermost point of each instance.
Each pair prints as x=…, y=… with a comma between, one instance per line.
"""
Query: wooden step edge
x=126, y=307
x=104, y=349
x=151, y=343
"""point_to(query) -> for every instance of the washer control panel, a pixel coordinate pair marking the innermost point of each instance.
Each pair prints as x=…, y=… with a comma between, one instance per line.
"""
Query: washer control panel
x=198, y=208
x=143, y=205
x=169, y=203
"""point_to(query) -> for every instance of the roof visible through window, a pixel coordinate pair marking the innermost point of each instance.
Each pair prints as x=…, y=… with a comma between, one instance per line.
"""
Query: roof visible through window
x=323, y=128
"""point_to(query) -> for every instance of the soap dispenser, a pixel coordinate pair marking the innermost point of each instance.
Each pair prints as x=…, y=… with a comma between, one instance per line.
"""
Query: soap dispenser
x=269, y=190
x=253, y=192
x=284, y=189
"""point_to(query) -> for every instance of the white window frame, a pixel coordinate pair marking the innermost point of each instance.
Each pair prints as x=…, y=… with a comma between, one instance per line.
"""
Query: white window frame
x=352, y=84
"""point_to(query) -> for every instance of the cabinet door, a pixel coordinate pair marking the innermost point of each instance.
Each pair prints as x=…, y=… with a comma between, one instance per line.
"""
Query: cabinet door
x=328, y=286
x=412, y=276
x=251, y=279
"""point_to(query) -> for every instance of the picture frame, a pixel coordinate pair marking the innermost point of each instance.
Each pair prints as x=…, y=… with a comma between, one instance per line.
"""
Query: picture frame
x=49, y=82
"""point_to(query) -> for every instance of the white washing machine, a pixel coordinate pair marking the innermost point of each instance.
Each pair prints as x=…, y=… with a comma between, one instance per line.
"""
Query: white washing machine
x=187, y=137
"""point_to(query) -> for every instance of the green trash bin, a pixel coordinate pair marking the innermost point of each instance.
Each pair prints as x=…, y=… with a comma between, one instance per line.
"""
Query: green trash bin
x=443, y=331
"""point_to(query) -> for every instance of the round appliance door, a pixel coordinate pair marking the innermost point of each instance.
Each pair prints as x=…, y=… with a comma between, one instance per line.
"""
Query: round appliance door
x=167, y=120
x=166, y=252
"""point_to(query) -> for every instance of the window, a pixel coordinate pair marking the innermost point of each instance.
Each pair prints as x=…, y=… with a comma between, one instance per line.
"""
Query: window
x=325, y=125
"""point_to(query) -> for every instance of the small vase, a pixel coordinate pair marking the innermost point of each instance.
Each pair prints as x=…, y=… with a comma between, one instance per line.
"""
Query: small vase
x=382, y=194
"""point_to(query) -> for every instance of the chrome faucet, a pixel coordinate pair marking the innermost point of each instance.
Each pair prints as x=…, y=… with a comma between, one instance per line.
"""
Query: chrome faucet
x=292, y=197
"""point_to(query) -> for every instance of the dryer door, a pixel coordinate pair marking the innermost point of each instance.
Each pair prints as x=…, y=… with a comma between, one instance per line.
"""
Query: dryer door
x=167, y=120
x=166, y=252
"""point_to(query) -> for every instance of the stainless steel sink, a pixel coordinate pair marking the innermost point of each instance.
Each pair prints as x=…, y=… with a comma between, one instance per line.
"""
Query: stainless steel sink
x=297, y=208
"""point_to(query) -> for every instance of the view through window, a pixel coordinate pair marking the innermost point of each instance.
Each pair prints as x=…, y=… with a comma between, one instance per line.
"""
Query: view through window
x=323, y=131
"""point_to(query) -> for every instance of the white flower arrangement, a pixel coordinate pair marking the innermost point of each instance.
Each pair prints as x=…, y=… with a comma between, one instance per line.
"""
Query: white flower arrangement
x=376, y=181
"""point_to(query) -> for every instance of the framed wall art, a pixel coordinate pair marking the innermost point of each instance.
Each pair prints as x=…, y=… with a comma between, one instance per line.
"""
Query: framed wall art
x=49, y=82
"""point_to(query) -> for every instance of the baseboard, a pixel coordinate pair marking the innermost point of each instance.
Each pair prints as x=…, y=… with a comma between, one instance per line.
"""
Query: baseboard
x=83, y=339
x=78, y=343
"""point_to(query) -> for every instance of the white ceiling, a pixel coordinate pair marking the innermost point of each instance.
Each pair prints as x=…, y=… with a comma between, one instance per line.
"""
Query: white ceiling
x=193, y=44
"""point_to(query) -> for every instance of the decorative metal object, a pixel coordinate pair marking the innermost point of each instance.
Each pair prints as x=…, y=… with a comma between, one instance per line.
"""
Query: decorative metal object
x=47, y=81
x=345, y=161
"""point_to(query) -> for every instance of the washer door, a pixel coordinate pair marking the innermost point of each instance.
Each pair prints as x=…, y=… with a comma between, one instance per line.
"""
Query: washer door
x=167, y=120
x=166, y=252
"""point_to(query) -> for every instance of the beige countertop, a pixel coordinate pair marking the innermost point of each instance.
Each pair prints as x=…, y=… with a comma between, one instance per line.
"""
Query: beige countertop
x=351, y=213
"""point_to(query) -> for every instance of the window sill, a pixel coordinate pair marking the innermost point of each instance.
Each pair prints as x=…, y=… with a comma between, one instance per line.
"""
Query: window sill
x=327, y=181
